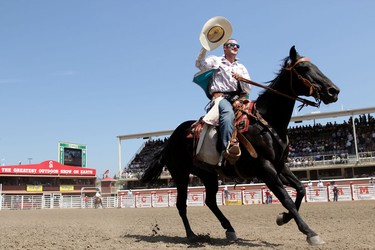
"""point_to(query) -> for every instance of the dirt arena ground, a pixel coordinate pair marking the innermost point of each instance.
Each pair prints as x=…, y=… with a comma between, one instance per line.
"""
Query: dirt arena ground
x=342, y=225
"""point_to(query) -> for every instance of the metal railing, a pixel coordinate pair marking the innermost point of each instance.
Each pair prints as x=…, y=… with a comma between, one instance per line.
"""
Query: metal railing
x=25, y=202
x=333, y=159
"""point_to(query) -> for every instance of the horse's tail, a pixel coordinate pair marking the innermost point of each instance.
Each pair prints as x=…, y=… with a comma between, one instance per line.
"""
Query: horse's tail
x=155, y=167
x=162, y=156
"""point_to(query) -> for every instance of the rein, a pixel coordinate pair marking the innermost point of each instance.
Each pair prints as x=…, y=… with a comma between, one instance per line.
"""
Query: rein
x=292, y=70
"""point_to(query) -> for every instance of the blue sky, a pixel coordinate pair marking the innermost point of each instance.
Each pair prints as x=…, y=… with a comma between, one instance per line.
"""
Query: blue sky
x=87, y=71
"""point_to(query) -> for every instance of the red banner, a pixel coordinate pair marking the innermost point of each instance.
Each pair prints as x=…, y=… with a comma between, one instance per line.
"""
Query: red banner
x=47, y=168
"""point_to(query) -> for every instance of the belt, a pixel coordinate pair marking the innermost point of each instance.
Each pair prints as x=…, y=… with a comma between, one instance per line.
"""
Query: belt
x=224, y=94
x=217, y=94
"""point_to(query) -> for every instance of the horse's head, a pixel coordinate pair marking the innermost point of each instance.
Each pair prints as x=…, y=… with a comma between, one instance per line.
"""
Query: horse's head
x=308, y=80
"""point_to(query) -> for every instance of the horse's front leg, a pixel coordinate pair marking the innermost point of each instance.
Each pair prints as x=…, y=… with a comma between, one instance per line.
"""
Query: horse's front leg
x=211, y=183
x=272, y=180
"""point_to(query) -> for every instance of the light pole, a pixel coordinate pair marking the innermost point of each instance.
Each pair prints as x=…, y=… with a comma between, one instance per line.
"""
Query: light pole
x=29, y=159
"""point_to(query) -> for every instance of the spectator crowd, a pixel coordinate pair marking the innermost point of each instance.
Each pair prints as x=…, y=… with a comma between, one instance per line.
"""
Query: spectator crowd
x=145, y=155
x=333, y=142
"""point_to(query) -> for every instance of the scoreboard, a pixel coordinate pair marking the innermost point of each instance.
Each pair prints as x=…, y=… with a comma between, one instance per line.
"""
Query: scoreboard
x=72, y=154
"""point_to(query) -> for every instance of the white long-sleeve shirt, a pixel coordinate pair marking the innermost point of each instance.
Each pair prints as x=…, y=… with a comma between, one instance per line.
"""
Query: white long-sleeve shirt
x=222, y=80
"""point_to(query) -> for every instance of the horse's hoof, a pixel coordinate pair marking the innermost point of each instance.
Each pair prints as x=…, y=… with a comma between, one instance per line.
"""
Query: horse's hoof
x=192, y=238
x=315, y=240
x=231, y=236
x=280, y=219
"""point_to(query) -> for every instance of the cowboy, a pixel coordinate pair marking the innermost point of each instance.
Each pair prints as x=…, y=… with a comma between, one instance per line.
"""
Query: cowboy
x=222, y=83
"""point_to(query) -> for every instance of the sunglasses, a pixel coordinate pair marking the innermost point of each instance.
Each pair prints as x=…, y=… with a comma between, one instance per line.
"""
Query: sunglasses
x=232, y=45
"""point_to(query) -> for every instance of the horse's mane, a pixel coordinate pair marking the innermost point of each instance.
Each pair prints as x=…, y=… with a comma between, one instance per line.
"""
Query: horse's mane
x=272, y=83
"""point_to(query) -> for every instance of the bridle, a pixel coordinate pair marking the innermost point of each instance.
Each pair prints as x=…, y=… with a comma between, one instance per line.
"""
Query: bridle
x=304, y=80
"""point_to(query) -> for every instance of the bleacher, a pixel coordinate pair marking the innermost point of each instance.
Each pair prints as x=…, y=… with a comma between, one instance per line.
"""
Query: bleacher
x=137, y=165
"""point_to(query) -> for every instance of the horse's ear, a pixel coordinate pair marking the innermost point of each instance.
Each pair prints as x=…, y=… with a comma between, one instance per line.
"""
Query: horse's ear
x=293, y=55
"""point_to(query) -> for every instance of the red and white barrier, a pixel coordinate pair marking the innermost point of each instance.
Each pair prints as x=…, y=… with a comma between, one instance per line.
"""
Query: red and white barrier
x=362, y=192
x=344, y=193
x=220, y=198
x=251, y=197
x=143, y=200
x=316, y=194
x=195, y=199
x=291, y=192
x=243, y=196
x=126, y=202
x=160, y=200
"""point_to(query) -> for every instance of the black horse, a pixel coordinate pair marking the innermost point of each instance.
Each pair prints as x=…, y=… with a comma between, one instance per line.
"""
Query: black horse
x=297, y=77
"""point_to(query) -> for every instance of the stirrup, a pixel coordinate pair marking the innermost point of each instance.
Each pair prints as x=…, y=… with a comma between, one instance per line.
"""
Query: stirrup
x=232, y=152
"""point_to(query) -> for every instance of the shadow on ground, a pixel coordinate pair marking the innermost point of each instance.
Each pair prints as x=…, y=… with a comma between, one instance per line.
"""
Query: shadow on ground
x=201, y=241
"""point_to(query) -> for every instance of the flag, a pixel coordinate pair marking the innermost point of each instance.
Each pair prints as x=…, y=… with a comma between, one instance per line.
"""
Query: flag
x=106, y=172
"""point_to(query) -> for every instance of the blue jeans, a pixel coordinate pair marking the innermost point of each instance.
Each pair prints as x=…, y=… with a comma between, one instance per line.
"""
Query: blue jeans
x=226, y=122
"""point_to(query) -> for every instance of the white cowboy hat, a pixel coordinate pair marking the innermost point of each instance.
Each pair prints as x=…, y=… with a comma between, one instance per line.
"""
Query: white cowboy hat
x=215, y=32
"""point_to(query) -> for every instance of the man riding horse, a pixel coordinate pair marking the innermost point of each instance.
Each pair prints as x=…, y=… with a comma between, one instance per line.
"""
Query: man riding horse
x=264, y=140
x=221, y=86
x=98, y=200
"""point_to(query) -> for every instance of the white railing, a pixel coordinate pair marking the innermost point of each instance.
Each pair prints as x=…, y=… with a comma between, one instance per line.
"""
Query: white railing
x=23, y=202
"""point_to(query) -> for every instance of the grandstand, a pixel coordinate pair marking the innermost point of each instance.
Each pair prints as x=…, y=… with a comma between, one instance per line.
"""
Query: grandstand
x=331, y=151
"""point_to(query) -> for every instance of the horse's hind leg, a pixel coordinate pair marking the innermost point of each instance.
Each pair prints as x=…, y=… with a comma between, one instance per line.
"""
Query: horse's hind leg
x=211, y=183
x=288, y=178
x=182, y=185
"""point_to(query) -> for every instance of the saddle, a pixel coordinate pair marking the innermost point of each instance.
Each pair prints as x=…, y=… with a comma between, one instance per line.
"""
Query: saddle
x=204, y=135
